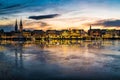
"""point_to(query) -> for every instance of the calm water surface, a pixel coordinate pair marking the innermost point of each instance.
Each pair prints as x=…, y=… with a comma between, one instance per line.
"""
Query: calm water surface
x=60, y=60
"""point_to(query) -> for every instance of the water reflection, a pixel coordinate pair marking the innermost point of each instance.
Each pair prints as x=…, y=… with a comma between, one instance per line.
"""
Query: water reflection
x=19, y=55
x=60, y=59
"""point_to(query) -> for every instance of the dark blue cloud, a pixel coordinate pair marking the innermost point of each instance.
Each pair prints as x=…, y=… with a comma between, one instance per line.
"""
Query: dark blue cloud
x=8, y=7
x=12, y=7
x=112, y=23
x=44, y=16
x=7, y=28
x=4, y=18
x=108, y=23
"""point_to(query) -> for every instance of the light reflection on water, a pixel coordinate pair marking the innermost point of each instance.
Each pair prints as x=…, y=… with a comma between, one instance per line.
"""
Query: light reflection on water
x=67, y=60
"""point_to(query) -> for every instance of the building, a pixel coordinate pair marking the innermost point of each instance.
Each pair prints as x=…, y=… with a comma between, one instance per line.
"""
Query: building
x=52, y=34
x=21, y=26
x=94, y=32
x=38, y=33
x=77, y=33
x=110, y=33
x=26, y=34
x=16, y=26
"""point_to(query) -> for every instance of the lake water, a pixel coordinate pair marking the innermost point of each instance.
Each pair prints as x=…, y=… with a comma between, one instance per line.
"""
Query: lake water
x=60, y=60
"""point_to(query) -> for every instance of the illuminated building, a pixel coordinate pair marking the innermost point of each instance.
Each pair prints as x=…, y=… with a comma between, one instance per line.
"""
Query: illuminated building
x=111, y=33
x=38, y=34
x=68, y=34
x=52, y=33
x=65, y=34
x=26, y=34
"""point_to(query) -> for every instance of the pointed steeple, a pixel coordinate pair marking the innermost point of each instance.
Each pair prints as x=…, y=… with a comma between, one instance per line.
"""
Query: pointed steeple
x=16, y=26
x=21, y=26
x=90, y=27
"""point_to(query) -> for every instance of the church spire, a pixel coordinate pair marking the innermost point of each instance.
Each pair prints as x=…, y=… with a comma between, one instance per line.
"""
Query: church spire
x=16, y=26
x=90, y=27
x=21, y=26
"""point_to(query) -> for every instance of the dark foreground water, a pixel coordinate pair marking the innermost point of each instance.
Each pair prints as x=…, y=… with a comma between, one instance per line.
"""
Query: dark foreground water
x=60, y=60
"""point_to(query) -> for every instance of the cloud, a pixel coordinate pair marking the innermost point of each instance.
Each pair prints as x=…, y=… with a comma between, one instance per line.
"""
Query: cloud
x=13, y=6
x=17, y=8
x=10, y=7
x=43, y=16
x=108, y=23
x=38, y=23
x=4, y=18
x=7, y=28
x=43, y=24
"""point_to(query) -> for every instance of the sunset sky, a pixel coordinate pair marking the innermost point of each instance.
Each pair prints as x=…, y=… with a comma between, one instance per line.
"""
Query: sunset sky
x=60, y=14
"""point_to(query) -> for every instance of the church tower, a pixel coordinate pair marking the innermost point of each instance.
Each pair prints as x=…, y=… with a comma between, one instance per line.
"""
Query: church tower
x=21, y=26
x=16, y=26
x=90, y=27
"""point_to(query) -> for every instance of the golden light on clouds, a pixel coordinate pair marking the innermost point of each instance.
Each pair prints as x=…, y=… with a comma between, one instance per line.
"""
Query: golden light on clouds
x=70, y=14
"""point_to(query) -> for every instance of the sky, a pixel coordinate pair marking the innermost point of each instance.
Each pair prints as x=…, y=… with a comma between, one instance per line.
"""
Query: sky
x=60, y=14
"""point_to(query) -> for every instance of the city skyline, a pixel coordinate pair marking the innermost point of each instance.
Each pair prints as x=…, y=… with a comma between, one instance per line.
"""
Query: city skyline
x=59, y=40
x=60, y=14
x=21, y=34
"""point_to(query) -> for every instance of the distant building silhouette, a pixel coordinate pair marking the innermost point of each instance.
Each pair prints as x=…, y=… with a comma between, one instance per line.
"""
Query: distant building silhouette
x=66, y=34
x=89, y=30
x=21, y=26
x=20, y=29
x=90, y=27
x=94, y=32
x=16, y=26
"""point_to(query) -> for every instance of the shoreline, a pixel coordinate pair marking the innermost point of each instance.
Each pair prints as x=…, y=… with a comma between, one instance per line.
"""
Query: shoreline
x=38, y=39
